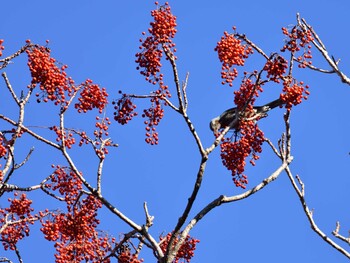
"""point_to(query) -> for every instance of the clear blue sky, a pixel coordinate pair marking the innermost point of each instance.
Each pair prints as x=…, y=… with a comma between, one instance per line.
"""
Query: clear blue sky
x=98, y=40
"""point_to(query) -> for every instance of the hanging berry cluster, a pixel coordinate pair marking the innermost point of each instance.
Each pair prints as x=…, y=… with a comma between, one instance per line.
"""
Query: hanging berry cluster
x=54, y=83
x=75, y=231
x=19, y=211
x=231, y=53
x=276, y=67
x=99, y=143
x=162, y=31
x=234, y=153
x=297, y=39
x=64, y=136
x=160, y=40
x=294, y=93
x=102, y=125
x=1, y=46
x=246, y=95
x=186, y=251
x=250, y=137
x=125, y=256
x=3, y=152
x=124, y=109
x=153, y=114
x=66, y=182
x=91, y=96
x=3, y=147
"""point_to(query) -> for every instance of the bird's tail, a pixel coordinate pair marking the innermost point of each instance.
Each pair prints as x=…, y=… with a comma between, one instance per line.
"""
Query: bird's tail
x=274, y=104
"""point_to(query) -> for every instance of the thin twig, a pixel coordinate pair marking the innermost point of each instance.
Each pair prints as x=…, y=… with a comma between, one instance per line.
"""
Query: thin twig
x=167, y=101
x=323, y=50
x=184, y=86
x=6, y=61
x=309, y=216
x=250, y=43
x=222, y=199
x=172, y=61
x=25, y=159
x=337, y=235
x=30, y=132
x=274, y=149
x=9, y=87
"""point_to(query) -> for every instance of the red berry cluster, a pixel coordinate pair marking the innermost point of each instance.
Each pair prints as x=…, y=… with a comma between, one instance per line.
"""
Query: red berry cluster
x=149, y=61
x=154, y=114
x=68, y=138
x=304, y=58
x=99, y=144
x=84, y=139
x=248, y=91
x=125, y=256
x=66, y=182
x=125, y=109
x=102, y=125
x=53, y=80
x=231, y=53
x=234, y=154
x=77, y=239
x=162, y=31
x=92, y=96
x=186, y=251
x=3, y=149
x=299, y=38
x=163, y=28
x=1, y=46
x=276, y=67
x=19, y=211
x=294, y=93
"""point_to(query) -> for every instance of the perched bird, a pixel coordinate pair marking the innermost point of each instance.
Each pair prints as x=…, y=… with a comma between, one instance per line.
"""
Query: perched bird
x=230, y=116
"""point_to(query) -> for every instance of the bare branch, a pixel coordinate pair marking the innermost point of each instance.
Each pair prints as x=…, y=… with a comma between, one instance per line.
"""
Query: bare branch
x=184, y=86
x=12, y=187
x=322, y=49
x=310, y=66
x=301, y=193
x=25, y=159
x=172, y=60
x=149, y=219
x=6, y=61
x=337, y=235
x=30, y=132
x=301, y=185
x=219, y=138
x=9, y=87
x=229, y=199
x=167, y=101
x=3, y=259
x=250, y=43
x=18, y=255
x=287, y=135
x=309, y=215
x=274, y=149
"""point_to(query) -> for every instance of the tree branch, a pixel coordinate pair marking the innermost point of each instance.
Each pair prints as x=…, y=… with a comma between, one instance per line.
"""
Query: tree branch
x=309, y=215
x=322, y=49
x=222, y=199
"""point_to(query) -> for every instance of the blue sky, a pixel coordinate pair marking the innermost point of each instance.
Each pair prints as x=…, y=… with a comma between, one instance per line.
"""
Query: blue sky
x=98, y=40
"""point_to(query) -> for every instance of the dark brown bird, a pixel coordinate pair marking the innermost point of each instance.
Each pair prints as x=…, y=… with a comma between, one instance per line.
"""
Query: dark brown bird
x=230, y=116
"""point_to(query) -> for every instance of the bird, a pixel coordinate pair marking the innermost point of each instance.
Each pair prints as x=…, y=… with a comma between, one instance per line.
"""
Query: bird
x=230, y=117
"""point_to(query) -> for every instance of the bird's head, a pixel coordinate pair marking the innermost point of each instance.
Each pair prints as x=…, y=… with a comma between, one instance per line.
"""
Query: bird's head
x=215, y=124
